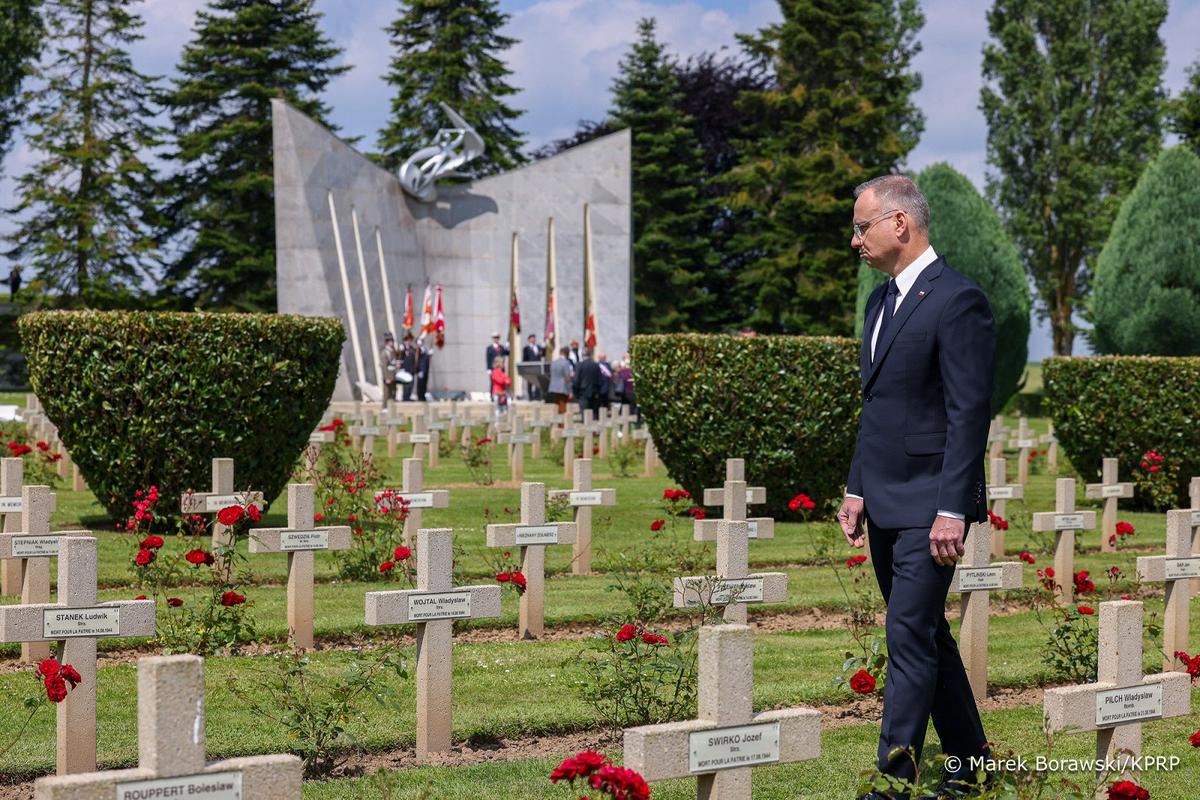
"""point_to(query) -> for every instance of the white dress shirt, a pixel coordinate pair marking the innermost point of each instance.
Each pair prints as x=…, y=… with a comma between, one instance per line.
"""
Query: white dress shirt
x=904, y=284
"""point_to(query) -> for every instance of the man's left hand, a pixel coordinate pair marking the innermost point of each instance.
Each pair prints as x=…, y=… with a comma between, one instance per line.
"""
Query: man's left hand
x=946, y=540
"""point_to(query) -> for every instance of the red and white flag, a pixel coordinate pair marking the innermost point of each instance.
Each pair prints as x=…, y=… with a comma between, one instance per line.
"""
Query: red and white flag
x=439, y=322
x=514, y=313
x=548, y=337
x=589, y=338
x=408, y=310
x=427, y=314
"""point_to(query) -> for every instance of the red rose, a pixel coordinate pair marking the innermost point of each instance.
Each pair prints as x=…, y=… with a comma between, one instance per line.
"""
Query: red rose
x=71, y=675
x=387, y=566
x=1086, y=610
x=1127, y=790
x=143, y=557
x=174, y=602
x=199, y=557
x=254, y=512
x=856, y=561
x=627, y=632
x=1049, y=572
x=801, y=501
x=1126, y=597
x=318, y=517
x=621, y=783
x=657, y=525
x=401, y=553
x=862, y=682
x=1125, y=528
x=152, y=542
x=140, y=597
x=1027, y=557
x=20, y=450
x=654, y=638
x=232, y=598
x=578, y=766
x=230, y=515
x=56, y=688
x=697, y=512
x=43, y=446
x=48, y=667
x=1195, y=739
x=483, y=441
x=503, y=577
x=1154, y=468
x=518, y=580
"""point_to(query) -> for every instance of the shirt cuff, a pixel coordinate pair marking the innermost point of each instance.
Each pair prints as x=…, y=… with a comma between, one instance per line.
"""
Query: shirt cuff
x=951, y=515
x=855, y=496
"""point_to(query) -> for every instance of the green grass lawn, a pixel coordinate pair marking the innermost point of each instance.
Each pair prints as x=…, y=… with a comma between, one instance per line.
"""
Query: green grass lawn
x=528, y=689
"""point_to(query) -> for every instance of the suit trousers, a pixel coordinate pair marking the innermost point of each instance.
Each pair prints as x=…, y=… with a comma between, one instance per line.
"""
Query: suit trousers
x=925, y=675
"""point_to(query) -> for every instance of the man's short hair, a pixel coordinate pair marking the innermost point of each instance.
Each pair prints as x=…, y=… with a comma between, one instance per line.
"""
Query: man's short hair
x=564, y=351
x=899, y=192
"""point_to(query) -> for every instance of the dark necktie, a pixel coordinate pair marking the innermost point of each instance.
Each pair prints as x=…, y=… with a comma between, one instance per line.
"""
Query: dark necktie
x=889, y=308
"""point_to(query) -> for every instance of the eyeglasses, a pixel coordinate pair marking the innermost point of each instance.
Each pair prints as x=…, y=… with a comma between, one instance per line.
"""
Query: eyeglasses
x=861, y=228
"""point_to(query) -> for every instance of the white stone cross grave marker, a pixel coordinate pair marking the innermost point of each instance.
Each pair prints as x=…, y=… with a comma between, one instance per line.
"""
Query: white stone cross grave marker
x=536, y=426
x=569, y=434
x=171, y=750
x=999, y=493
x=1122, y=697
x=300, y=540
x=437, y=429
x=1176, y=569
x=1024, y=442
x=1194, y=505
x=733, y=587
x=583, y=498
x=221, y=496
x=649, y=454
x=532, y=534
x=975, y=578
x=365, y=432
x=1051, y=442
x=603, y=429
x=1064, y=521
x=76, y=621
x=420, y=437
x=997, y=435
x=705, y=530
x=412, y=489
x=1110, y=489
x=433, y=606
x=729, y=739
x=516, y=439
x=12, y=477
x=31, y=546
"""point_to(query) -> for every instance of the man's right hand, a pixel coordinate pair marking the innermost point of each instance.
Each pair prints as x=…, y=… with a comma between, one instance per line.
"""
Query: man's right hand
x=850, y=517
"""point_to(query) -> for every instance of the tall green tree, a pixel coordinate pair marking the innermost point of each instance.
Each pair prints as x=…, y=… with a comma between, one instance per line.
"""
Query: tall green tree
x=21, y=34
x=87, y=208
x=448, y=51
x=1147, y=287
x=1185, y=110
x=671, y=255
x=1073, y=100
x=242, y=54
x=840, y=111
x=967, y=232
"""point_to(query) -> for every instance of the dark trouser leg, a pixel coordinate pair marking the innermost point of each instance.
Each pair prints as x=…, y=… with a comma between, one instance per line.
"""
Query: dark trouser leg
x=389, y=394
x=408, y=387
x=925, y=672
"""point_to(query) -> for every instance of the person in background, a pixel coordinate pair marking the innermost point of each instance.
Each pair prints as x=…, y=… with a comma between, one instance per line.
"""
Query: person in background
x=623, y=378
x=606, y=381
x=575, y=352
x=494, y=350
x=14, y=282
x=388, y=363
x=533, y=352
x=424, y=362
x=409, y=360
x=587, y=386
x=500, y=385
x=562, y=373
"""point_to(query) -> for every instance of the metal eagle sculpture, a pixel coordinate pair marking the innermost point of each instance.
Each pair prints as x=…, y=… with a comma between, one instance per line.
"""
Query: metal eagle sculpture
x=451, y=149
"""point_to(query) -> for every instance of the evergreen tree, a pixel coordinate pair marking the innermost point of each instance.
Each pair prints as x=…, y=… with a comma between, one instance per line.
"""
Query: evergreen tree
x=670, y=253
x=840, y=112
x=1147, y=287
x=1073, y=100
x=243, y=53
x=21, y=33
x=88, y=205
x=1185, y=110
x=968, y=233
x=447, y=51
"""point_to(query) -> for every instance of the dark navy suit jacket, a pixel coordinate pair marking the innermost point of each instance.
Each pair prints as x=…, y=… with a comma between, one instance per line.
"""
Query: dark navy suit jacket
x=926, y=403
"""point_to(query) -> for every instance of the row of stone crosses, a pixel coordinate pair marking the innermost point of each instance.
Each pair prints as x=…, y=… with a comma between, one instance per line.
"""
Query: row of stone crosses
x=719, y=748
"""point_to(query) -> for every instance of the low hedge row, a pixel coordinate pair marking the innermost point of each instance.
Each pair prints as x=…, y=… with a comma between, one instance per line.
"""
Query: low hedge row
x=788, y=405
x=1122, y=406
x=151, y=398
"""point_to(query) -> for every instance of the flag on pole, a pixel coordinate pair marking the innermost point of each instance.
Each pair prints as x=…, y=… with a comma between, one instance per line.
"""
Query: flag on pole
x=589, y=283
x=514, y=313
x=427, y=314
x=408, y=310
x=439, y=322
x=551, y=333
x=548, y=338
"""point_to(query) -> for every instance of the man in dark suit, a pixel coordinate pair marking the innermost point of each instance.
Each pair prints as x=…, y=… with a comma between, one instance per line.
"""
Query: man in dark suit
x=587, y=387
x=917, y=474
x=532, y=351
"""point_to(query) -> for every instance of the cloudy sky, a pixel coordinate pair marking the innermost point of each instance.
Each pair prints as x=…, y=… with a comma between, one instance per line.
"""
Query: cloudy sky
x=568, y=52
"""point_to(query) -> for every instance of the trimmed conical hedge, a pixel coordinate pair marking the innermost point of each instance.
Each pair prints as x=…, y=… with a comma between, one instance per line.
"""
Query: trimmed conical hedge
x=151, y=398
x=1146, y=290
x=966, y=231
